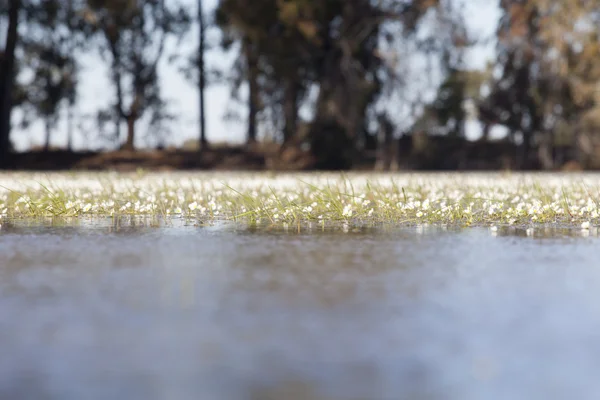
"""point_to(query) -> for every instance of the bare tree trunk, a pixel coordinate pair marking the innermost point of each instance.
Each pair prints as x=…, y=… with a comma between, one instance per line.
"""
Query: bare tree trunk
x=131, y=118
x=545, y=151
x=485, y=135
x=73, y=90
x=7, y=66
x=523, y=161
x=70, y=128
x=201, y=75
x=253, y=95
x=48, y=127
x=290, y=110
x=384, y=145
x=117, y=121
x=130, y=133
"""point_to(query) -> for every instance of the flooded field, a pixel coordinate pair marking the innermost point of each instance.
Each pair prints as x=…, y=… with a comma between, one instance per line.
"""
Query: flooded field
x=100, y=310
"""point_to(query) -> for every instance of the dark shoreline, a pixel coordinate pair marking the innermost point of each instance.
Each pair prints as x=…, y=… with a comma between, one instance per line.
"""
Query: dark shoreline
x=463, y=156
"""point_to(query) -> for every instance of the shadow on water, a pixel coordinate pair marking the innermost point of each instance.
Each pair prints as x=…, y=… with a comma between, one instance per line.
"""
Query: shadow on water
x=151, y=309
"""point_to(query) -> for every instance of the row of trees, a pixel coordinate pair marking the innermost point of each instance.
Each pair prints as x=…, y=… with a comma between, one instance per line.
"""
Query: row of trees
x=345, y=61
x=44, y=38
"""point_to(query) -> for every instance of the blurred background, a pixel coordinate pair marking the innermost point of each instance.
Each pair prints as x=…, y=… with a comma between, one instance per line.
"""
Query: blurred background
x=300, y=84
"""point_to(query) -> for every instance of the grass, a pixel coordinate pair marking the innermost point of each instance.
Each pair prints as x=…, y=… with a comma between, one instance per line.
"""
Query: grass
x=479, y=199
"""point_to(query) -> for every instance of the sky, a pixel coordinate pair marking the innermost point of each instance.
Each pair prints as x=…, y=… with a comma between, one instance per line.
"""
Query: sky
x=96, y=90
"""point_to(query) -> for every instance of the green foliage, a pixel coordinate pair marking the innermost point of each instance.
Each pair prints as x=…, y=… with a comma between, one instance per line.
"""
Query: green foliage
x=342, y=60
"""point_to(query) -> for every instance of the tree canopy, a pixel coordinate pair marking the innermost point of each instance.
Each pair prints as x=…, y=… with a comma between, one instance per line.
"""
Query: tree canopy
x=325, y=75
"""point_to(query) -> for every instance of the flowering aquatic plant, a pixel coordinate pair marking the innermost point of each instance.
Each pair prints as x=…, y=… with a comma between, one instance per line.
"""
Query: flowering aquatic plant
x=464, y=199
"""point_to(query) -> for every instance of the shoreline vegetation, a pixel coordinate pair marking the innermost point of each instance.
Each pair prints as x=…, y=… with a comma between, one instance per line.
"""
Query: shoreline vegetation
x=319, y=199
x=407, y=154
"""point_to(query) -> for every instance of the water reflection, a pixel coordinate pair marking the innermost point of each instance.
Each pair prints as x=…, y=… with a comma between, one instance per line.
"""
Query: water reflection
x=178, y=310
x=544, y=232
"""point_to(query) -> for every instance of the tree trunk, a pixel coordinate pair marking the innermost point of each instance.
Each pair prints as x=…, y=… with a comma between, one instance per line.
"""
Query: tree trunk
x=384, y=153
x=523, y=161
x=131, y=118
x=334, y=128
x=70, y=128
x=117, y=121
x=48, y=127
x=253, y=95
x=290, y=110
x=7, y=65
x=201, y=75
x=130, y=133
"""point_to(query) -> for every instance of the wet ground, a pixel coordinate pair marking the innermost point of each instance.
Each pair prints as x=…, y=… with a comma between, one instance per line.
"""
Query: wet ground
x=104, y=311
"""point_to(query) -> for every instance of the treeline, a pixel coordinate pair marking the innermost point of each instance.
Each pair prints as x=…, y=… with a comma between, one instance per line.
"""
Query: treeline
x=348, y=62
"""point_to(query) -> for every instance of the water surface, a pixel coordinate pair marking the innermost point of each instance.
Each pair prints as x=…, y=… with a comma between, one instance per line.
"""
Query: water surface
x=105, y=311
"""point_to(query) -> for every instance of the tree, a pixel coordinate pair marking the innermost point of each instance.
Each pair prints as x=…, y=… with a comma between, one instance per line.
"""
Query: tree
x=291, y=46
x=48, y=56
x=248, y=24
x=133, y=33
x=7, y=77
x=201, y=74
x=251, y=58
x=548, y=74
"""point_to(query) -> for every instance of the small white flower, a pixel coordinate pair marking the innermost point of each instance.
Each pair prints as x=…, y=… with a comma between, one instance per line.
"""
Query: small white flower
x=193, y=206
x=347, y=212
x=585, y=225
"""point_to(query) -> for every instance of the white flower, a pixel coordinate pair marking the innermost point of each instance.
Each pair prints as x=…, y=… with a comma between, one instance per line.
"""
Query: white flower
x=193, y=206
x=585, y=225
x=347, y=212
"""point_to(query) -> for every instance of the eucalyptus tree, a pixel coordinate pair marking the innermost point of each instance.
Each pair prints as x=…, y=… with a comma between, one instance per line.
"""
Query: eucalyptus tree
x=356, y=72
x=334, y=46
x=201, y=73
x=546, y=90
x=7, y=73
x=49, y=46
x=41, y=76
x=247, y=27
x=133, y=34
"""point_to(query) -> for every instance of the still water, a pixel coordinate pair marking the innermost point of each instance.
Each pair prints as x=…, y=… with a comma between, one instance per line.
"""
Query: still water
x=96, y=311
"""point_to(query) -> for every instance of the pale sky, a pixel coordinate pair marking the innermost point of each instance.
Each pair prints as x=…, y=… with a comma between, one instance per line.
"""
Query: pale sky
x=96, y=90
